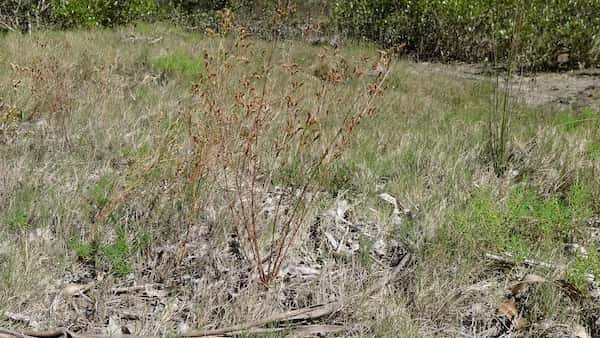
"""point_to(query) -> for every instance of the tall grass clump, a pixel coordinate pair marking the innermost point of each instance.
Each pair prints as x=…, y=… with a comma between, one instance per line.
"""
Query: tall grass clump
x=498, y=124
x=179, y=64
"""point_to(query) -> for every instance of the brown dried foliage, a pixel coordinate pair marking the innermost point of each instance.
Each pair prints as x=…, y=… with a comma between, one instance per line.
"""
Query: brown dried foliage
x=241, y=148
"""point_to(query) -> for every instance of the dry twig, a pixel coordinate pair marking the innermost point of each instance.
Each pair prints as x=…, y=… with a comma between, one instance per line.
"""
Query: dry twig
x=305, y=314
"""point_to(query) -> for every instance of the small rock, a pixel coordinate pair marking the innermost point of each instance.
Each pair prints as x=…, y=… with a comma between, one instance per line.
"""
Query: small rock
x=182, y=328
x=93, y=178
x=576, y=249
x=379, y=247
x=113, y=327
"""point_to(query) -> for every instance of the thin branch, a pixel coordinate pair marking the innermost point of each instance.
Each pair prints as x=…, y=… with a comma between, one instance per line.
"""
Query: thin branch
x=7, y=26
x=307, y=313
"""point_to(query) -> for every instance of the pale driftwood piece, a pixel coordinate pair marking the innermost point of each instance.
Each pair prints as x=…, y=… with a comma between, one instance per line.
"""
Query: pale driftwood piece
x=308, y=313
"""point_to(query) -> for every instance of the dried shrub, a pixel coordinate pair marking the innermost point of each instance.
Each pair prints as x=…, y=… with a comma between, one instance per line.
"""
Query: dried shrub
x=274, y=142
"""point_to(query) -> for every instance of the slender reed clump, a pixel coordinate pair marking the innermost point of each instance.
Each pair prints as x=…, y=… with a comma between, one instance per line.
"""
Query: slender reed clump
x=499, y=119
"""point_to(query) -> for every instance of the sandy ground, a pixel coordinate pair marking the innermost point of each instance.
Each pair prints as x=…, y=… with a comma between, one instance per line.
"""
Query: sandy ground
x=574, y=90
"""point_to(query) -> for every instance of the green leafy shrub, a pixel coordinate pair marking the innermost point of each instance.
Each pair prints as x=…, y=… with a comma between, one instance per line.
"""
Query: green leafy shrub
x=200, y=5
x=551, y=34
x=90, y=13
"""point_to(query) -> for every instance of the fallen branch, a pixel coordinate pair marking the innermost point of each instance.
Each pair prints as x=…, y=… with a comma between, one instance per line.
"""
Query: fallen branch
x=308, y=313
x=71, y=335
x=7, y=26
x=134, y=288
x=305, y=314
x=301, y=330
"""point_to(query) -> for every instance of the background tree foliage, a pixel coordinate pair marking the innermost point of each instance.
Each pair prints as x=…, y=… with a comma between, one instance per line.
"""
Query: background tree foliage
x=548, y=33
x=70, y=13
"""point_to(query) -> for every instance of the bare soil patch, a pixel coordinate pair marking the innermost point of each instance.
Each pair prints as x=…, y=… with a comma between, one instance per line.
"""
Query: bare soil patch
x=574, y=90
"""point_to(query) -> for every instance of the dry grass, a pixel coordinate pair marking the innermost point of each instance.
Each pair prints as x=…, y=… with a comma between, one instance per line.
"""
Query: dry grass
x=119, y=169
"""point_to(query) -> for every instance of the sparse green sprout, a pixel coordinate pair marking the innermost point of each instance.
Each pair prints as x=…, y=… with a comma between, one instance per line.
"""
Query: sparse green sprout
x=114, y=256
x=18, y=214
x=573, y=120
x=83, y=250
x=143, y=240
x=364, y=252
x=99, y=193
x=593, y=150
x=585, y=269
x=18, y=219
x=118, y=255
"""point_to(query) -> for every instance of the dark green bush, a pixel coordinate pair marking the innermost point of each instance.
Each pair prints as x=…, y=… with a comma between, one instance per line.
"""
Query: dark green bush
x=22, y=15
x=199, y=5
x=206, y=14
x=548, y=33
x=90, y=13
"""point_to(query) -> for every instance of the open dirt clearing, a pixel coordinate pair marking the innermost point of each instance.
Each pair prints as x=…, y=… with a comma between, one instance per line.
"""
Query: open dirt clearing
x=555, y=91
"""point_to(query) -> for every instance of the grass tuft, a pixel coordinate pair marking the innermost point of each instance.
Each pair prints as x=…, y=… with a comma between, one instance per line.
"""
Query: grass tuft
x=180, y=64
